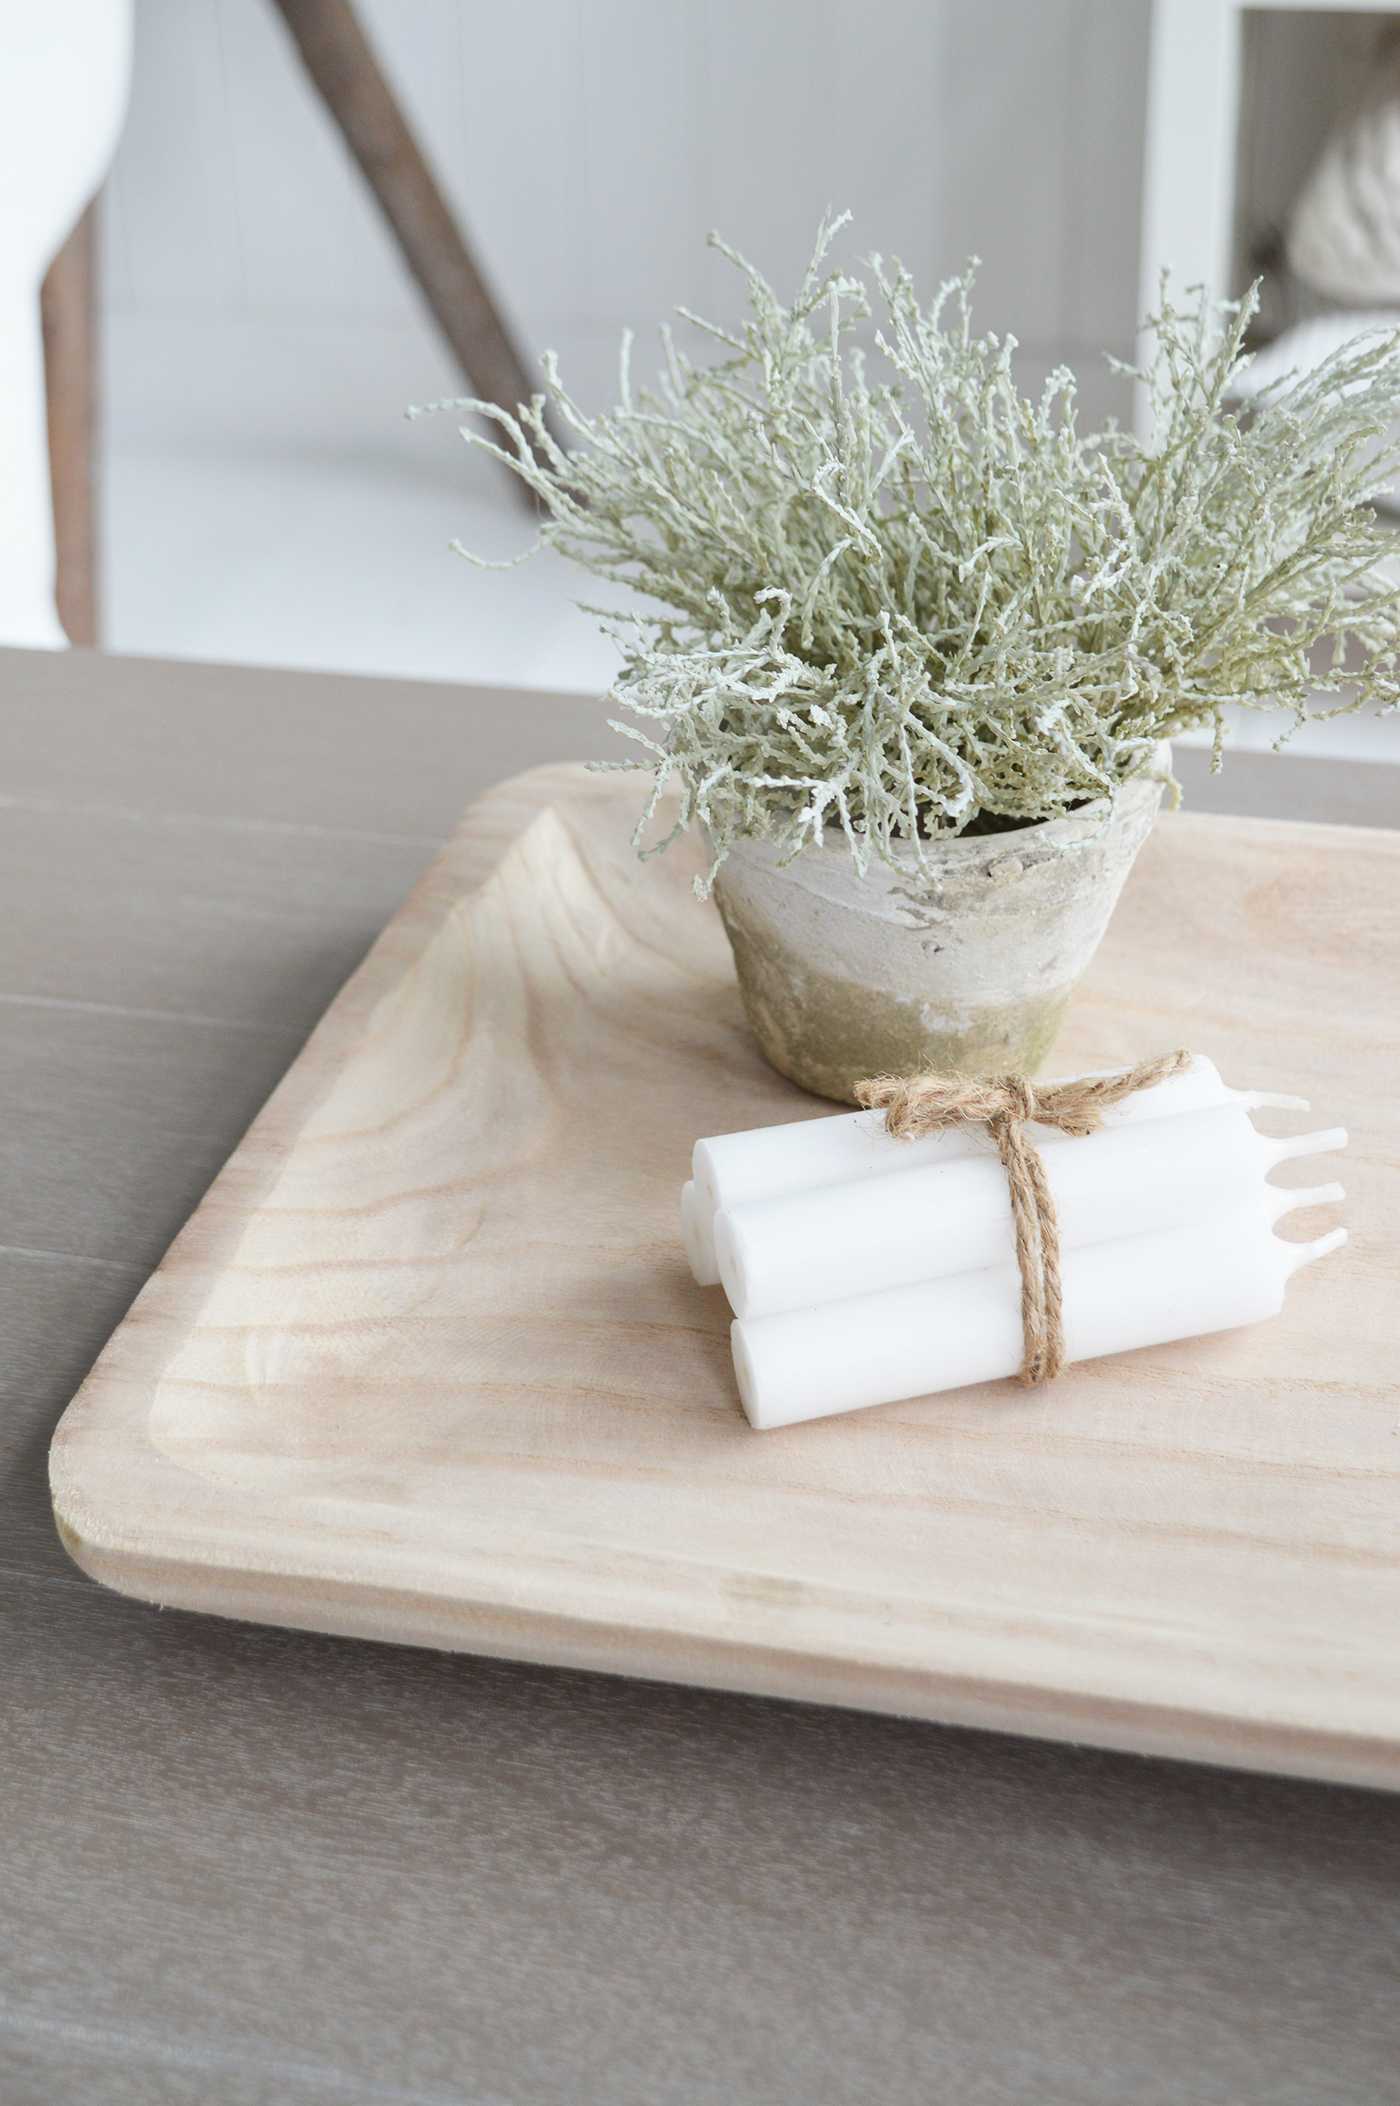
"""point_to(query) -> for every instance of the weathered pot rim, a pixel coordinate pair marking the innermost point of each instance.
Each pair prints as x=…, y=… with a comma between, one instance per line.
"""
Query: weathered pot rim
x=959, y=853
x=971, y=966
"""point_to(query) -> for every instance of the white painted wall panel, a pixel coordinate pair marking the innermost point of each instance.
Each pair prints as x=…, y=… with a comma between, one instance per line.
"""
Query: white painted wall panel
x=834, y=109
x=508, y=137
x=1042, y=179
x=1005, y=153
x=172, y=215
x=255, y=299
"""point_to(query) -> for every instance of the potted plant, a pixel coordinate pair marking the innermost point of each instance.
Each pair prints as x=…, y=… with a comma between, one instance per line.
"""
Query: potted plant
x=913, y=646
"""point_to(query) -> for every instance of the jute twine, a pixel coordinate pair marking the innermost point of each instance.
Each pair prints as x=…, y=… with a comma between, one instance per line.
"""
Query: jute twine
x=915, y=1105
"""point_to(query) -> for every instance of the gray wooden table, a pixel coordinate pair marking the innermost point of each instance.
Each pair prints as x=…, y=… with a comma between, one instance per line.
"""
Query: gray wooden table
x=241, y=1865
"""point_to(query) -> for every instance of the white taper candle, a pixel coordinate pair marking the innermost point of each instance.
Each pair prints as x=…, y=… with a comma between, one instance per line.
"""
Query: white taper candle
x=944, y=1334
x=819, y=1246
x=765, y=1162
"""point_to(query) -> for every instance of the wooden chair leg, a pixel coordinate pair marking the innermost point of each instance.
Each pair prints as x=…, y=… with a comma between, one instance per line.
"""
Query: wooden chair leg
x=344, y=69
x=68, y=311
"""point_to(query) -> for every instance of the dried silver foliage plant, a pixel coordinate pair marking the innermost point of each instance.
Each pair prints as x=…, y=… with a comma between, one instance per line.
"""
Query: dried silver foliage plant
x=914, y=604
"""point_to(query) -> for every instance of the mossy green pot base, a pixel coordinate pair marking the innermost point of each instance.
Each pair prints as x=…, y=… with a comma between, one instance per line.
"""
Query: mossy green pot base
x=972, y=968
x=825, y=1033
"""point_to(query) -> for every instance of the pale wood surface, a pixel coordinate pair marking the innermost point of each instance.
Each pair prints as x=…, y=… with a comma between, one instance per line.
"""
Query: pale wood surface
x=249, y=1867
x=428, y=1365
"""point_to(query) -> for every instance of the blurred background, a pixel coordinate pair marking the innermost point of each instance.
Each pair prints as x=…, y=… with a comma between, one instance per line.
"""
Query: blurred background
x=264, y=499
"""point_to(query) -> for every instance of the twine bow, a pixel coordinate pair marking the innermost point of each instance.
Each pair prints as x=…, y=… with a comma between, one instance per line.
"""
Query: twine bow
x=915, y=1105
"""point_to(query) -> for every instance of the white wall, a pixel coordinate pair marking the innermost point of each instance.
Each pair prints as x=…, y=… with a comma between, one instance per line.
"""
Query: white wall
x=255, y=303
x=266, y=500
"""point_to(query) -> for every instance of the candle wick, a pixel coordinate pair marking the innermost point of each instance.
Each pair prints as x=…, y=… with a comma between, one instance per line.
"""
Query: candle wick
x=915, y=1105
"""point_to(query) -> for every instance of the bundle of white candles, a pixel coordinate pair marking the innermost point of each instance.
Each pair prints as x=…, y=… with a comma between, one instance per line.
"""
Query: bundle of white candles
x=863, y=1269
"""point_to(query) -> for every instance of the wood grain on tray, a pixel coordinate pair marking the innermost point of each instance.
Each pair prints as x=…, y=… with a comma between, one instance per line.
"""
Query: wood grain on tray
x=428, y=1364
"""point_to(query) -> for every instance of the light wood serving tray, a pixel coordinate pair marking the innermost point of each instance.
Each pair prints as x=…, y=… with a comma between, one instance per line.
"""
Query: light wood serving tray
x=428, y=1364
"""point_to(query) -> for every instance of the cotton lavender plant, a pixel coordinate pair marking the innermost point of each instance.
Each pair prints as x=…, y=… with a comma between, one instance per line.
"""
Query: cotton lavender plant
x=921, y=603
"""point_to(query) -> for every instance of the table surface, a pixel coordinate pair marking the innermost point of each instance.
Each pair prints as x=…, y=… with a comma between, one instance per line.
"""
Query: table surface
x=248, y=1865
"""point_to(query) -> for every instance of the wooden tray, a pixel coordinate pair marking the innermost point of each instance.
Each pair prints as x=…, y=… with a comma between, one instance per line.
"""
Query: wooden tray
x=428, y=1365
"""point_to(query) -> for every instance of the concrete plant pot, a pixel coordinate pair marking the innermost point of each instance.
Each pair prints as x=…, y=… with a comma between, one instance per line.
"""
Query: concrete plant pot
x=846, y=976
